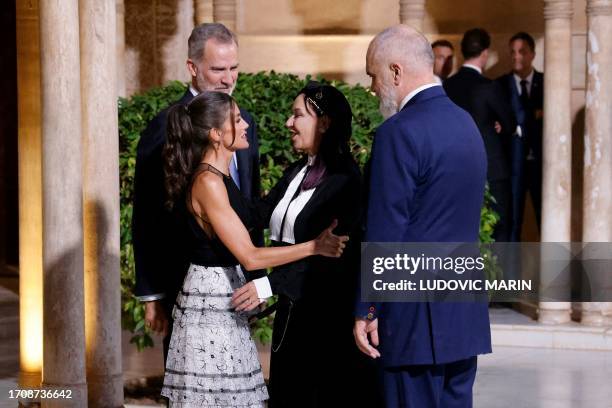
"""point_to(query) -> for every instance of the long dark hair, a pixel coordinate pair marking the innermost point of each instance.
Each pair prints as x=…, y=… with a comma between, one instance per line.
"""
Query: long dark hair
x=188, y=138
x=334, y=154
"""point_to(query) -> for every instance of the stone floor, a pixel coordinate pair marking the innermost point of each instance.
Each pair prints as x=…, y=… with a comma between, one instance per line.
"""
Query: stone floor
x=511, y=377
x=520, y=377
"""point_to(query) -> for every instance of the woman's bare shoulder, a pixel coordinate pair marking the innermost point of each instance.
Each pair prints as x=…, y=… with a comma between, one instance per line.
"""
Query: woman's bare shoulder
x=209, y=183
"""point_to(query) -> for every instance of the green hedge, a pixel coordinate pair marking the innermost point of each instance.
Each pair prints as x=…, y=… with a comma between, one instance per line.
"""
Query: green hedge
x=268, y=97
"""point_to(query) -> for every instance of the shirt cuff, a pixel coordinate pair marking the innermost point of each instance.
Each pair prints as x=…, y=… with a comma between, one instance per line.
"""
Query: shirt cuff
x=262, y=285
x=519, y=131
x=150, y=298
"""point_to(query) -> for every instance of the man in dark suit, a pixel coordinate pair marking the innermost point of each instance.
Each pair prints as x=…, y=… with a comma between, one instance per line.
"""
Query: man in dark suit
x=444, y=55
x=524, y=90
x=484, y=100
x=157, y=234
x=427, y=179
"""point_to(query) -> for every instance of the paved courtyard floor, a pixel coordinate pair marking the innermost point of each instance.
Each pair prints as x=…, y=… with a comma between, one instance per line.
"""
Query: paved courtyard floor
x=511, y=377
x=516, y=377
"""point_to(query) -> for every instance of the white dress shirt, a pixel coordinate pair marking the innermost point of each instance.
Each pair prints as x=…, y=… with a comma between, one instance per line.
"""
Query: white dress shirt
x=289, y=210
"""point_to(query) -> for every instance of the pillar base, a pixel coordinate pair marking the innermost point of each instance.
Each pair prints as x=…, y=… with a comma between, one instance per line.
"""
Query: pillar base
x=30, y=379
x=77, y=396
x=593, y=318
x=552, y=314
x=105, y=391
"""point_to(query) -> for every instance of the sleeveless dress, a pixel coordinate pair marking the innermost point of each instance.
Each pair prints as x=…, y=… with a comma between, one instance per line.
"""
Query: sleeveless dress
x=212, y=360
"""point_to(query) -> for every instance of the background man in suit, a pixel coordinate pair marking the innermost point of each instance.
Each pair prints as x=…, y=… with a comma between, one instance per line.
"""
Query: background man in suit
x=156, y=233
x=427, y=182
x=485, y=101
x=524, y=90
x=444, y=54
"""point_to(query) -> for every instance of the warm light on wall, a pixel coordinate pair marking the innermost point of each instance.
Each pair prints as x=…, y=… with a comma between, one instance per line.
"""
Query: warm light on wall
x=30, y=191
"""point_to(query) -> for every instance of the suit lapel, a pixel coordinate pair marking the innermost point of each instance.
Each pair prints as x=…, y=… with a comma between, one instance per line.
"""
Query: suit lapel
x=186, y=98
x=323, y=190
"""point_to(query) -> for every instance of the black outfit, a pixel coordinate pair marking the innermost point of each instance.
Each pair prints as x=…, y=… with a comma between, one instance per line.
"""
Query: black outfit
x=314, y=361
x=210, y=251
x=527, y=149
x=484, y=100
x=158, y=235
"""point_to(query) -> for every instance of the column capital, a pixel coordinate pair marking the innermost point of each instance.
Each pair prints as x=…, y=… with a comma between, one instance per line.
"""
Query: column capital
x=411, y=10
x=599, y=8
x=203, y=11
x=558, y=9
x=224, y=12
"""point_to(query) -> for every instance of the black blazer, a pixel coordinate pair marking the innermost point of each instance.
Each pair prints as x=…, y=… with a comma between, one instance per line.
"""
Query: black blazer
x=484, y=100
x=530, y=119
x=158, y=236
x=336, y=197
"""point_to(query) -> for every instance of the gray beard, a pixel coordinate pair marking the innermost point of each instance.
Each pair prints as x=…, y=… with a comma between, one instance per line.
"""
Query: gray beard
x=387, y=108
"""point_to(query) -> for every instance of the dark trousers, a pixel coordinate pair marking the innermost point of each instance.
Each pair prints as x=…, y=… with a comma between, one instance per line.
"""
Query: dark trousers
x=501, y=190
x=430, y=386
x=533, y=184
x=315, y=363
x=168, y=306
x=526, y=177
x=518, y=187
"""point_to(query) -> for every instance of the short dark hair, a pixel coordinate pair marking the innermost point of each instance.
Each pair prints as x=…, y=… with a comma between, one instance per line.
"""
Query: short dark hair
x=442, y=43
x=474, y=42
x=521, y=35
x=204, y=32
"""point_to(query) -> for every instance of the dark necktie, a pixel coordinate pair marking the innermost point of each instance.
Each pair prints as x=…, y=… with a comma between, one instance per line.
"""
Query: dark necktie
x=524, y=94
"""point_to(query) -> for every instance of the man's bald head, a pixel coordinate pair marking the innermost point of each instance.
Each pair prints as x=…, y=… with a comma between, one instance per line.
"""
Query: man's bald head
x=404, y=45
x=399, y=60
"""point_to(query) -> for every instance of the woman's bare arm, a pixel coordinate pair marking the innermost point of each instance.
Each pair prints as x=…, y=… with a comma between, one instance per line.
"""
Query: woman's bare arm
x=210, y=194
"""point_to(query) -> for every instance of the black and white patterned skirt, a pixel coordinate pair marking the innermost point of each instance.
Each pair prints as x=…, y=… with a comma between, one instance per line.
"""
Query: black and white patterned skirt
x=212, y=360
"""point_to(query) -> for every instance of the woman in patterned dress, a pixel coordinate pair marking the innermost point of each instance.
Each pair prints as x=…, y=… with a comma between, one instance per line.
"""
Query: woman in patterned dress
x=212, y=360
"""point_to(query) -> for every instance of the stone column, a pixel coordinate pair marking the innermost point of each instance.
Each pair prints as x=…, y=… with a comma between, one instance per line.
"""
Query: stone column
x=101, y=202
x=412, y=12
x=30, y=194
x=224, y=12
x=597, y=198
x=203, y=11
x=63, y=322
x=120, y=41
x=557, y=164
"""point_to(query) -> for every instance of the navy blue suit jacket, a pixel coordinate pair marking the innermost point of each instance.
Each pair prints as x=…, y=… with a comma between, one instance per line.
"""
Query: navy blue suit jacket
x=529, y=119
x=428, y=173
x=157, y=234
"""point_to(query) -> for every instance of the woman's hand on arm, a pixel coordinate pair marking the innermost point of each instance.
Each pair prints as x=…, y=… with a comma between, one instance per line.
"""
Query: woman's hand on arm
x=211, y=195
